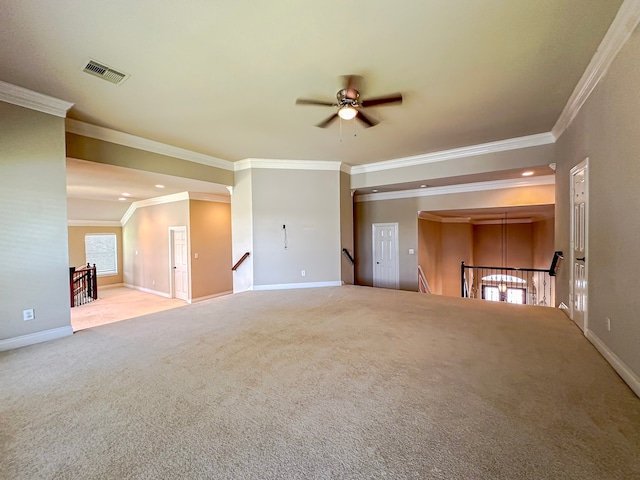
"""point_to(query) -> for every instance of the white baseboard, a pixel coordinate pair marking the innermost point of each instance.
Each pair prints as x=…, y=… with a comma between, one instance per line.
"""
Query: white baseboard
x=288, y=286
x=618, y=365
x=207, y=297
x=32, y=338
x=147, y=290
x=111, y=285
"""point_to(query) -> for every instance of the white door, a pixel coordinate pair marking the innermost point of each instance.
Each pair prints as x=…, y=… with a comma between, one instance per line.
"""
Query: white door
x=579, y=236
x=386, y=273
x=179, y=261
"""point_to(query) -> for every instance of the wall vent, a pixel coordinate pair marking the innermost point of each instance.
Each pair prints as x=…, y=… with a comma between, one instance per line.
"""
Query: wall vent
x=105, y=72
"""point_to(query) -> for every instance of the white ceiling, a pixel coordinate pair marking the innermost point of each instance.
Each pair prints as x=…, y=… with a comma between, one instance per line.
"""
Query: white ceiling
x=221, y=78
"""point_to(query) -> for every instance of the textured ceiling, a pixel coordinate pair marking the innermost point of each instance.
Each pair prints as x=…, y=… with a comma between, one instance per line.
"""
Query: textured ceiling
x=221, y=78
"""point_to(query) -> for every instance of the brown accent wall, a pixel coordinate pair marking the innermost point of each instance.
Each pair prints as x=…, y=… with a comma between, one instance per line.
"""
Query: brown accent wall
x=543, y=239
x=517, y=244
x=210, y=238
x=430, y=253
x=77, y=254
x=457, y=247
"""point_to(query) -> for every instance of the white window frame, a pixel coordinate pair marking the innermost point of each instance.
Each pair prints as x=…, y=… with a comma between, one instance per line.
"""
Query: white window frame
x=101, y=270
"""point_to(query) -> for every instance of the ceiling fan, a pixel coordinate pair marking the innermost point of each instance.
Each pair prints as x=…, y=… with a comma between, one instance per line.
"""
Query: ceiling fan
x=349, y=104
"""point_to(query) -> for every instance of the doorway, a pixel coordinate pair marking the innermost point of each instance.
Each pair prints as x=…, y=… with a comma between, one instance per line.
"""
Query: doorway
x=386, y=269
x=179, y=263
x=579, y=190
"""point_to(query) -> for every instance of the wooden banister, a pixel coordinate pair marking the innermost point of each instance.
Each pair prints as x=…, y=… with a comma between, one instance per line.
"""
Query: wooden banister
x=239, y=262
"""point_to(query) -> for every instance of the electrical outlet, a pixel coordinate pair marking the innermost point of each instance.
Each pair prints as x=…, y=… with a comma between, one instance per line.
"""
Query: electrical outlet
x=28, y=314
x=303, y=273
x=608, y=324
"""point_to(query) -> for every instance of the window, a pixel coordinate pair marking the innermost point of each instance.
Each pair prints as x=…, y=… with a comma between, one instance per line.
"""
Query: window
x=101, y=249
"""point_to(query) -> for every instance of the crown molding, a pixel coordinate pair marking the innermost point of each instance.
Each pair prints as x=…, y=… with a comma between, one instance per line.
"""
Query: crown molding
x=619, y=32
x=462, y=188
x=120, y=138
x=209, y=197
x=470, y=151
x=33, y=100
x=175, y=197
x=436, y=218
x=288, y=164
x=93, y=223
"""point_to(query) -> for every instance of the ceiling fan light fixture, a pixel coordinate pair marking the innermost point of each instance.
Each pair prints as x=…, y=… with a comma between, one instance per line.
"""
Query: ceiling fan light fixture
x=347, y=112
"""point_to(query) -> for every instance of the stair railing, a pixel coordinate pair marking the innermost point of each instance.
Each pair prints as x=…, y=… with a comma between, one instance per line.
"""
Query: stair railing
x=83, y=285
x=530, y=286
x=239, y=262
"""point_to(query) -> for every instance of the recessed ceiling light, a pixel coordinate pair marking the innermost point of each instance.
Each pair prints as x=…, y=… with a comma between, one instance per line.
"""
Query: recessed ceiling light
x=122, y=199
x=528, y=173
x=126, y=194
x=423, y=186
x=159, y=186
x=374, y=190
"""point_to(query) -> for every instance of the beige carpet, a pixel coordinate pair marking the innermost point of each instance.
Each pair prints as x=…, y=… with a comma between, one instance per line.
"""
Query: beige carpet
x=115, y=304
x=345, y=382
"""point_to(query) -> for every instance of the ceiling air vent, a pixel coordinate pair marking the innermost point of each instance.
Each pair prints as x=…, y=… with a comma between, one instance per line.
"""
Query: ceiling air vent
x=103, y=71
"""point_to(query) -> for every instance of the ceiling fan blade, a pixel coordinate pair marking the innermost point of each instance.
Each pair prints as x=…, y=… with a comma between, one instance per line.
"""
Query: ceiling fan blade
x=352, y=82
x=328, y=121
x=387, y=99
x=308, y=101
x=367, y=120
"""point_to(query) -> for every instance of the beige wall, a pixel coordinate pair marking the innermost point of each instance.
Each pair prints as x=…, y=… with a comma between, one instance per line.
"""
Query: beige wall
x=33, y=215
x=346, y=229
x=242, y=230
x=77, y=256
x=405, y=212
x=85, y=148
x=210, y=239
x=606, y=131
x=430, y=253
x=473, y=165
x=308, y=203
x=145, y=239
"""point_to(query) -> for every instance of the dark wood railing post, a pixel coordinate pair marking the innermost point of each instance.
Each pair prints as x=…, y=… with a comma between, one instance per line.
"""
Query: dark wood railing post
x=72, y=271
x=462, y=279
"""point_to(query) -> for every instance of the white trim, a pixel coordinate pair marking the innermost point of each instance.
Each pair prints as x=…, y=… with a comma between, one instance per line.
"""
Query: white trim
x=619, y=32
x=275, y=164
x=172, y=286
x=374, y=250
x=33, y=338
x=208, y=297
x=147, y=290
x=462, y=152
x=174, y=197
x=287, y=286
x=94, y=223
x=120, y=138
x=583, y=165
x=209, y=197
x=33, y=100
x=628, y=375
x=461, y=188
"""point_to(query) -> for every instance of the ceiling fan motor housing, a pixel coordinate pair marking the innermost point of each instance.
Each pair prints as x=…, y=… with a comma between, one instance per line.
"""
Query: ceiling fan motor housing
x=348, y=96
